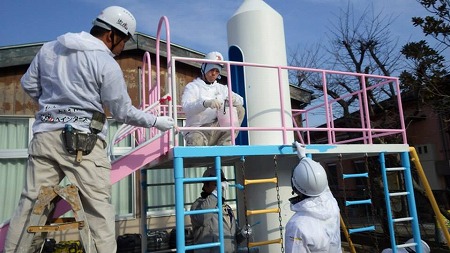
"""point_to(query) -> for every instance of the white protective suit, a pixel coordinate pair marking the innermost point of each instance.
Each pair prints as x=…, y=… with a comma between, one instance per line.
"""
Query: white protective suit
x=74, y=76
x=195, y=93
x=197, y=115
x=315, y=226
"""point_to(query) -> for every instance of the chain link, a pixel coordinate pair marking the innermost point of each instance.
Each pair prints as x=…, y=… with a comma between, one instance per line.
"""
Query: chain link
x=280, y=219
x=369, y=187
x=245, y=203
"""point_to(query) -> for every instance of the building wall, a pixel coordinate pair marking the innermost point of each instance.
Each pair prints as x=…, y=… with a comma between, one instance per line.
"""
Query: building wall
x=426, y=134
x=14, y=101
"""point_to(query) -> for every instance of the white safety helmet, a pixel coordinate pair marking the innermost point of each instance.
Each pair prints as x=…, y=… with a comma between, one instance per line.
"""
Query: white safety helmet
x=425, y=247
x=309, y=178
x=215, y=56
x=117, y=17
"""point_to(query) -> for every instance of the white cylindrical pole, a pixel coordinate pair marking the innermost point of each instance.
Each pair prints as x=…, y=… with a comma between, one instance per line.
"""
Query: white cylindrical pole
x=258, y=30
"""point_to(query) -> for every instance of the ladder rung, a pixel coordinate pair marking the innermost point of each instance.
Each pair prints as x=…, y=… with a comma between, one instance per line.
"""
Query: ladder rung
x=56, y=227
x=358, y=202
x=202, y=211
x=202, y=246
x=394, y=194
x=260, y=181
x=355, y=175
x=363, y=229
x=406, y=245
x=395, y=169
x=272, y=210
x=402, y=219
x=254, y=244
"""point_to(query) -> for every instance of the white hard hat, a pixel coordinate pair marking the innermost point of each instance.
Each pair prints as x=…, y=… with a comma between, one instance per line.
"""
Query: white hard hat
x=215, y=56
x=117, y=17
x=425, y=247
x=309, y=178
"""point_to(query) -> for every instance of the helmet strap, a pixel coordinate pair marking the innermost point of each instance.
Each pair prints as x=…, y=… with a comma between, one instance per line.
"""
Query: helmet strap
x=112, y=37
x=298, y=198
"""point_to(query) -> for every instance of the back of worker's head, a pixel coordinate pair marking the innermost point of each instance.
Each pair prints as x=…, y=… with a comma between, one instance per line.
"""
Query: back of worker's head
x=118, y=18
x=211, y=172
x=309, y=178
x=425, y=247
x=214, y=56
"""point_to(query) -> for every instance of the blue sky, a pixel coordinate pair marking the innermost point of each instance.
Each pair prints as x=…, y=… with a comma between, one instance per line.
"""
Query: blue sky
x=195, y=24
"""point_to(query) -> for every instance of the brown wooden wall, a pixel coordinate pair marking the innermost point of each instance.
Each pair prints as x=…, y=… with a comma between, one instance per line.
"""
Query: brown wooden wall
x=15, y=102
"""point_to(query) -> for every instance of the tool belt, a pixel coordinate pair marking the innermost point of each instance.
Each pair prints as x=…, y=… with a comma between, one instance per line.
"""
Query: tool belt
x=79, y=143
x=76, y=141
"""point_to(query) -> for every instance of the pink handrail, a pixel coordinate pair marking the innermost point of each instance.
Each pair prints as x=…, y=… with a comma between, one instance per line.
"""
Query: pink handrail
x=327, y=105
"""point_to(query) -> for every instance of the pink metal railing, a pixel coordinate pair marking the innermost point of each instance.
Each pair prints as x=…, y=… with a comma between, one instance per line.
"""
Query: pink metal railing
x=367, y=132
x=151, y=99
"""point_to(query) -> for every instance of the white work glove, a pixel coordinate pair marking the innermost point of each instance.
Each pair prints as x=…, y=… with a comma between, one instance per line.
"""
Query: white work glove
x=236, y=100
x=301, y=150
x=212, y=103
x=163, y=123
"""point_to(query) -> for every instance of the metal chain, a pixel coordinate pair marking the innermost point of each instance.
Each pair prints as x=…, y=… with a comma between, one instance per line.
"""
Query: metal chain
x=369, y=186
x=341, y=170
x=279, y=203
x=245, y=202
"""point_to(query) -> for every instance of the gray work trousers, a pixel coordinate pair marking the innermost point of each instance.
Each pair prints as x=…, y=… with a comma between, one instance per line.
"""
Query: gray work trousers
x=213, y=137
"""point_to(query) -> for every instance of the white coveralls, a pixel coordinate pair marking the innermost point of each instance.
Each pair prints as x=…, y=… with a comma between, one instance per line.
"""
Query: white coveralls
x=71, y=78
x=315, y=226
x=206, y=226
x=194, y=94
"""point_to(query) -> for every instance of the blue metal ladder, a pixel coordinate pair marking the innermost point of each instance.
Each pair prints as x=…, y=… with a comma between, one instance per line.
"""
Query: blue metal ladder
x=358, y=202
x=409, y=194
x=180, y=180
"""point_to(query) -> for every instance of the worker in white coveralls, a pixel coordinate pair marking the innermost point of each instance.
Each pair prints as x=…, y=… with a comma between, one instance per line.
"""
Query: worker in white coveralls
x=410, y=249
x=205, y=102
x=74, y=79
x=206, y=226
x=315, y=226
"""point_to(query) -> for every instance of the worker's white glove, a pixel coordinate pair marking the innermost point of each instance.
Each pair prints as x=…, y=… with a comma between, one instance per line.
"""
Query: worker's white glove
x=236, y=100
x=301, y=150
x=163, y=123
x=212, y=103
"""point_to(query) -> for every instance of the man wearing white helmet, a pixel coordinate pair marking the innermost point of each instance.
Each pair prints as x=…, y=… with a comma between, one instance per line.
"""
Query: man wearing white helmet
x=424, y=245
x=203, y=102
x=315, y=226
x=74, y=79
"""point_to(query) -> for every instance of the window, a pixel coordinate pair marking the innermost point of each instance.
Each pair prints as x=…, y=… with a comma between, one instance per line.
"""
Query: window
x=14, y=133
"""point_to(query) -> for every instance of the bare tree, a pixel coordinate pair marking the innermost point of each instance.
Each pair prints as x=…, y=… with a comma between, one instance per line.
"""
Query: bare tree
x=362, y=44
x=356, y=43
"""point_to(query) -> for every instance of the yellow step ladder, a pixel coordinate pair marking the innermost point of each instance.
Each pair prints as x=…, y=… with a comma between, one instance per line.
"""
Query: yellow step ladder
x=44, y=206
